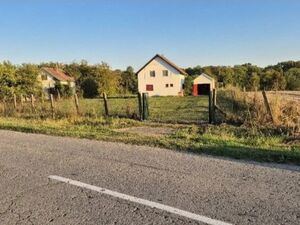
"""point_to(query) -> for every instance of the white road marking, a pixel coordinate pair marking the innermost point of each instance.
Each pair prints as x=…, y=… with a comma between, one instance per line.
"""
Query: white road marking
x=141, y=201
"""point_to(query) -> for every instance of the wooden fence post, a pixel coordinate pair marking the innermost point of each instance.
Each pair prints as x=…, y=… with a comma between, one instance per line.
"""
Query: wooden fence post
x=42, y=97
x=32, y=103
x=21, y=100
x=210, y=113
x=4, y=107
x=145, y=106
x=76, y=103
x=140, y=102
x=214, y=101
x=105, y=104
x=52, y=106
x=267, y=105
x=58, y=95
x=15, y=101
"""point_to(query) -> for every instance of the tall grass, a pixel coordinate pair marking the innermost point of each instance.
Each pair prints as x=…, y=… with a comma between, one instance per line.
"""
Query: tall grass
x=250, y=109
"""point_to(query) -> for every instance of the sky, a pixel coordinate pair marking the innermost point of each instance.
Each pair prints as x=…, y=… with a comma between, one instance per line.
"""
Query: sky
x=130, y=32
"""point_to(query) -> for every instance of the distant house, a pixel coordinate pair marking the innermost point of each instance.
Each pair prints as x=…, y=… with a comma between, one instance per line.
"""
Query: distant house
x=160, y=77
x=51, y=77
x=203, y=84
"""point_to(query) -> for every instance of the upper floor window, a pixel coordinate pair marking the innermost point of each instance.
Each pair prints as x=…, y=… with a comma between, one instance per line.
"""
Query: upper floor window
x=171, y=85
x=152, y=73
x=165, y=73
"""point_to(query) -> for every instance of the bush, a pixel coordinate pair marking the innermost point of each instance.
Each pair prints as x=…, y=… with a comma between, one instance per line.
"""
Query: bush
x=89, y=87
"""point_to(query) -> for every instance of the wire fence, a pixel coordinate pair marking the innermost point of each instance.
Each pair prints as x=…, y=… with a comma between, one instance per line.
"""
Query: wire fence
x=187, y=109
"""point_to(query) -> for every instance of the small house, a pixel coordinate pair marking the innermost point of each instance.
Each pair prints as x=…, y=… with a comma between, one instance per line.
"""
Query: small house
x=52, y=77
x=160, y=77
x=203, y=84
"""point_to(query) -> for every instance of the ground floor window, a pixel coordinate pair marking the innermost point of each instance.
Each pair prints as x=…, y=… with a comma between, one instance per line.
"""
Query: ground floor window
x=149, y=87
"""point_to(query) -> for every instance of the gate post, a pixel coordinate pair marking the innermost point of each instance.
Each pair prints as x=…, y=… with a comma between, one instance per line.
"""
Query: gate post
x=214, y=104
x=140, y=102
x=105, y=104
x=210, y=110
x=145, y=106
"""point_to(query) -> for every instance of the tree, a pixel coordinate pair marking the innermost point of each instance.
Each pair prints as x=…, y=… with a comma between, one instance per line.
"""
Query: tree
x=108, y=80
x=293, y=79
x=273, y=80
x=188, y=84
x=89, y=87
x=240, y=76
x=27, y=81
x=197, y=70
x=7, y=79
x=129, y=81
x=225, y=75
x=253, y=82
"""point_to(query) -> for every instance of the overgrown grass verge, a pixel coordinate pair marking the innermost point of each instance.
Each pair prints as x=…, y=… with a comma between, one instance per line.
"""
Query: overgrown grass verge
x=223, y=140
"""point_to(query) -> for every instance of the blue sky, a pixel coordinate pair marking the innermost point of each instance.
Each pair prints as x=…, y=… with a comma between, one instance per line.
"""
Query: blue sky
x=129, y=32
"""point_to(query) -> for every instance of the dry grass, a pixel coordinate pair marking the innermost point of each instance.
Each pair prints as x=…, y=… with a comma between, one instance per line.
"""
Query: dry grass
x=250, y=108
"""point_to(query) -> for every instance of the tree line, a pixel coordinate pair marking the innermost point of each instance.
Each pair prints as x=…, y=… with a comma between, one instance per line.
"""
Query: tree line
x=282, y=76
x=93, y=80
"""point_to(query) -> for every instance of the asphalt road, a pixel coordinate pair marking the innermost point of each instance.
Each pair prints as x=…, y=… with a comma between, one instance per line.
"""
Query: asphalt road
x=235, y=192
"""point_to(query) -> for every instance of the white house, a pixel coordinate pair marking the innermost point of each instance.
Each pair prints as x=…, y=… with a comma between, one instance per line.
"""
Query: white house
x=203, y=84
x=50, y=77
x=161, y=77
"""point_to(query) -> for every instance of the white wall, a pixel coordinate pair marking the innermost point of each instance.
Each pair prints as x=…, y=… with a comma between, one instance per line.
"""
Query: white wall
x=159, y=81
x=46, y=84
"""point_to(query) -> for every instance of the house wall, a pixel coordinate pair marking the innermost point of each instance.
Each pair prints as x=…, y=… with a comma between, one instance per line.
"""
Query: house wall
x=46, y=84
x=159, y=81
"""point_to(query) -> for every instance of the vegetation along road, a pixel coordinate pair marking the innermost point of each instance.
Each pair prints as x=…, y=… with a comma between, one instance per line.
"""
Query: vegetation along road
x=62, y=180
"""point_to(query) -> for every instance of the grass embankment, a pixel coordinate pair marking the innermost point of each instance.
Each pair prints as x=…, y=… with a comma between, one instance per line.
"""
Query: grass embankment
x=224, y=140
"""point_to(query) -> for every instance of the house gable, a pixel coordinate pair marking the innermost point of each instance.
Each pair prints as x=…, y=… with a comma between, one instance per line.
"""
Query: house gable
x=57, y=74
x=164, y=61
x=204, y=78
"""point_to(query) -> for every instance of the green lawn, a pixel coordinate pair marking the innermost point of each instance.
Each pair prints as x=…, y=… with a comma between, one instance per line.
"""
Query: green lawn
x=187, y=109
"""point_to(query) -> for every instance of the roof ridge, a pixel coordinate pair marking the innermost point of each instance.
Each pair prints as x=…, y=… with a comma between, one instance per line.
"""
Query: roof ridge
x=167, y=61
x=58, y=74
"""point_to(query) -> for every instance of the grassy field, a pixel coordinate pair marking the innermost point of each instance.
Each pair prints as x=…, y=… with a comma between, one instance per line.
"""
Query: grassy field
x=224, y=140
x=187, y=109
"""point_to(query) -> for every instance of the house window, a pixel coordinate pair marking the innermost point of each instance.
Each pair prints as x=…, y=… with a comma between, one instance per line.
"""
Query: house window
x=152, y=73
x=167, y=85
x=171, y=85
x=44, y=77
x=149, y=87
x=165, y=73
